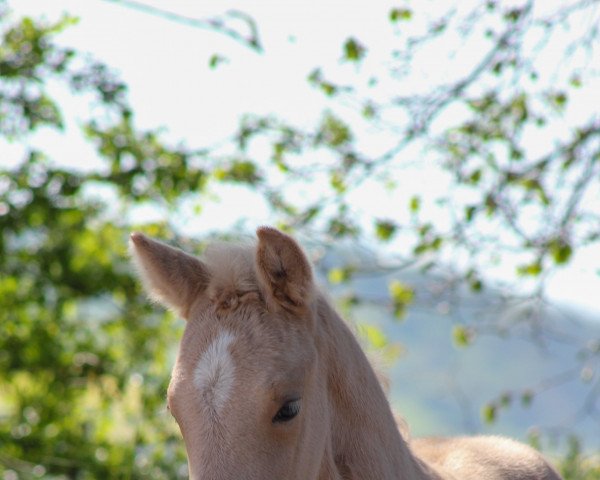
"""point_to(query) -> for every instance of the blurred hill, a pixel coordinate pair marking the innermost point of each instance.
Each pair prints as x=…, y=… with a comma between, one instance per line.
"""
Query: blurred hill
x=524, y=361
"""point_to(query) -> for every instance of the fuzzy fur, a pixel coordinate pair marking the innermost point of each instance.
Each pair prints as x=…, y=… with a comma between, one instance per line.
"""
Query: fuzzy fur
x=287, y=342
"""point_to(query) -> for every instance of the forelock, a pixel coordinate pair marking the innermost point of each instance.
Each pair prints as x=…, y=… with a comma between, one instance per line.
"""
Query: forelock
x=231, y=267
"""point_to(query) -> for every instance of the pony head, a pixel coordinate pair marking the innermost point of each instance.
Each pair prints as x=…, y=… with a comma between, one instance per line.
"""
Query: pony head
x=249, y=388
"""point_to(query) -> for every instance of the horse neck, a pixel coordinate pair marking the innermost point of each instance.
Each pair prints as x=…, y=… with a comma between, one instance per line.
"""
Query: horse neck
x=365, y=440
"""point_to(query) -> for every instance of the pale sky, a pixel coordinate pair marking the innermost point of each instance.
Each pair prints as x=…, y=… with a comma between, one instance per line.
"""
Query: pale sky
x=166, y=67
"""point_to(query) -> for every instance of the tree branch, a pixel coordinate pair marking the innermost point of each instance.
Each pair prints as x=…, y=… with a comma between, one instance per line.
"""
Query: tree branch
x=216, y=24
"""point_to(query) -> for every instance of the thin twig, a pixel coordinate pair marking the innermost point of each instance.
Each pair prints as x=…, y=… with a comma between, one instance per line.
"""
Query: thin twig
x=218, y=25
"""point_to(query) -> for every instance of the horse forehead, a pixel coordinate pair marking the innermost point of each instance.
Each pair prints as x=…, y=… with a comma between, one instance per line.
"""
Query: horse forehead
x=214, y=372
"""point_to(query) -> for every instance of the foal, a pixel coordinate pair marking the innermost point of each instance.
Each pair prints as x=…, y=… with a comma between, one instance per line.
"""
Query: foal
x=270, y=384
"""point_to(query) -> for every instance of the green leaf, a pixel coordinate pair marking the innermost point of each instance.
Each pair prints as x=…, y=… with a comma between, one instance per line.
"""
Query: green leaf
x=333, y=131
x=239, y=171
x=490, y=205
x=514, y=14
x=475, y=177
x=436, y=243
x=534, y=185
x=353, y=50
x=560, y=99
x=489, y=413
x=385, y=229
x=374, y=335
x=65, y=22
x=216, y=60
x=476, y=285
x=505, y=400
x=462, y=335
x=402, y=296
x=348, y=302
x=340, y=275
x=415, y=204
x=527, y=398
x=557, y=100
x=329, y=89
x=498, y=67
x=560, y=250
x=337, y=182
x=532, y=269
x=369, y=111
x=400, y=14
x=342, y=227
x=470, y=213
x=315, y=76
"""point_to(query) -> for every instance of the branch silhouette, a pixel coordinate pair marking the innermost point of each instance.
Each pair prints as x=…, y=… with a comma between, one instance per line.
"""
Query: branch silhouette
x=215, y=24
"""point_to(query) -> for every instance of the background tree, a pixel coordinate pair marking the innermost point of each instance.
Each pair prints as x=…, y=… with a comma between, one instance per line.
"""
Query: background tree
x=83, y=356
x=78, y=340
x=511, y=129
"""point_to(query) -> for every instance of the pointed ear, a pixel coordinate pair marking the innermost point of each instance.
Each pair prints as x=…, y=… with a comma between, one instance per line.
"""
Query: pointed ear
x=170, y=275
x=283, y=269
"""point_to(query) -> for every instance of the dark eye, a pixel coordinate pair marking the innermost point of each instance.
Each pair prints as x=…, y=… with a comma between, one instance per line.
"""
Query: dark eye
x=287, y=412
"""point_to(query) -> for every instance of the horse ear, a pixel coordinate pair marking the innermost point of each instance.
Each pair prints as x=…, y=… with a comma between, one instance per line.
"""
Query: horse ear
x=170, y=275
x=283, y=269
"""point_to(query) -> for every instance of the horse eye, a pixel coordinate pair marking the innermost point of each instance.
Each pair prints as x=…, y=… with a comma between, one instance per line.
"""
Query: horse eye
x=287, y=412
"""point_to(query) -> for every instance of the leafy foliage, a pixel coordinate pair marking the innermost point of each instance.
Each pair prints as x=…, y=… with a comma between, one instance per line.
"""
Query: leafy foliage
x=81, y=392
x=518, y=151
x=578, y=466
x=402, y=296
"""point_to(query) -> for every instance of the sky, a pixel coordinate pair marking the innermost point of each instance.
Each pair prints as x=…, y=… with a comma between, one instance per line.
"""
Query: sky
x=165, y=65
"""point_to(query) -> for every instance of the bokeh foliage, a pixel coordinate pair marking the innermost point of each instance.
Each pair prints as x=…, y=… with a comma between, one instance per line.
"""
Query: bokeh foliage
x=83, y=357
